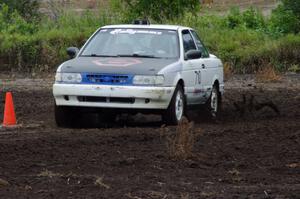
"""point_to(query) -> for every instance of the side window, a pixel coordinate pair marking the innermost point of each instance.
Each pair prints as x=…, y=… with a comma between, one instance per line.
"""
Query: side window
x=188, y=42
x=199, y=44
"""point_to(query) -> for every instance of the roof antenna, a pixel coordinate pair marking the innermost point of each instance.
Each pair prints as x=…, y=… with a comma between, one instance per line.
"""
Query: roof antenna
x=141, y=22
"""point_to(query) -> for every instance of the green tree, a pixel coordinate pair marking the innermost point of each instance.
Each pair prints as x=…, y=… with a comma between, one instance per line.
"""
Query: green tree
x=28, y=9
x=253, y=19
x=157, y=10
x=286, y=17
x=11, y=23
x=292, y=5
x=284, y=21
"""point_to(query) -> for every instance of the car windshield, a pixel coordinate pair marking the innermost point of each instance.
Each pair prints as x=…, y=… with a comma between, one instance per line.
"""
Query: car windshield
x=147, y=43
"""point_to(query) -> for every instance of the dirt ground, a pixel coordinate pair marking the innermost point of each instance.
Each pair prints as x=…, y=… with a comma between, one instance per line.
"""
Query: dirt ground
x=250, y=155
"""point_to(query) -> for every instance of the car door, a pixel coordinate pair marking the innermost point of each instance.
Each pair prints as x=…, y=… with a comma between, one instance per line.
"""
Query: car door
x=207, y=65
x=193, y=71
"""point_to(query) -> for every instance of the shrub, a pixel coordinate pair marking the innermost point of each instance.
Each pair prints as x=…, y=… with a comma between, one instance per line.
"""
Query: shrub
x=234, y=18
x=156, y=10
x=284, y=21
x=13, y=23
x=28, y=9
x=245, y=41
x=292, y=5
x=250, y=18
x=253, y=19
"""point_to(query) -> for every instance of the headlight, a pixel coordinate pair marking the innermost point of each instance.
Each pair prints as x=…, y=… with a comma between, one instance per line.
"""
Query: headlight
x=68, y=77
x=148, y=80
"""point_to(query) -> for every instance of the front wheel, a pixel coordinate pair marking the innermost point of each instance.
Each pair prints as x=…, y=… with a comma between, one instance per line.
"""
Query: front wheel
x=213, y=105
x=177, y=107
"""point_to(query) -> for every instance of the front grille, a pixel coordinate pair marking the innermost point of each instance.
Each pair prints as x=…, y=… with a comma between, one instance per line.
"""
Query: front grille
x=107, y=79
x=106, y=99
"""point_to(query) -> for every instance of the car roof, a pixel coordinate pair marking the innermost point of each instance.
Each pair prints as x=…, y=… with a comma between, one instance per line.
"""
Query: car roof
x=154, y=26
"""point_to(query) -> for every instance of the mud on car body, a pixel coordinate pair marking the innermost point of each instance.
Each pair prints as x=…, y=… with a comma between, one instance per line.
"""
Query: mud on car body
x=138, y=68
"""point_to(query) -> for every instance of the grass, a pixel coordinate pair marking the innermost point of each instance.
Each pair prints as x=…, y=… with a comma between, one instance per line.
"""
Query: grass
x=246, y=47
x=235, y=175
x=98, y=181
x=184, y=196
x=180, y=145
x=228, y=70
x=267, y=74
x=49, y=174
x=3, y=183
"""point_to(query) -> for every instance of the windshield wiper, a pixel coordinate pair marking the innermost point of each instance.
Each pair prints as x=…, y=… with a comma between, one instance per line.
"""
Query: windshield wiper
x=95, y=55
x=138, y=55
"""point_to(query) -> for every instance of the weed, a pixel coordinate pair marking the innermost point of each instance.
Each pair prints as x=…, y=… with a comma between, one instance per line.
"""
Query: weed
x=180, y=146
x=49, y=174
x=228, y=70
x=295, y=68
x=267, y=74
x=235, y=175
x=207, y=194
x=184, y=196
x=245, y=41
x=28, y=188
x=3, y=183
x=129, y=195
x=99, y=182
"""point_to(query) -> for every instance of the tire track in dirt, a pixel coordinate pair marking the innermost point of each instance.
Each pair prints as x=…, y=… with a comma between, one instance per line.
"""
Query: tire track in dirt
x=253, y=156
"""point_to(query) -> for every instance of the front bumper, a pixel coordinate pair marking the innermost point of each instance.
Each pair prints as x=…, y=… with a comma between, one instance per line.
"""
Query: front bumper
x=107, y=96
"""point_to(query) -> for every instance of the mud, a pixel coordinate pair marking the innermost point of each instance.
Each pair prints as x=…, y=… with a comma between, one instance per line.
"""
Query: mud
x=253, y=155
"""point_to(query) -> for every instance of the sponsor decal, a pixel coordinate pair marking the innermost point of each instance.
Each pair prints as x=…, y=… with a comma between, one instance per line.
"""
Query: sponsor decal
x=119, y=62
x=132, y=32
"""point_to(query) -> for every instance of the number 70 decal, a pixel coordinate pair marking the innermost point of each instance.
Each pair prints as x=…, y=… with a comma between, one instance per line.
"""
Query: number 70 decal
x=198, y=77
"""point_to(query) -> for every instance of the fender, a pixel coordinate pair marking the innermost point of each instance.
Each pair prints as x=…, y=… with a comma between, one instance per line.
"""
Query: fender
x=214, y=79
x=172, y=73
x=218, y=78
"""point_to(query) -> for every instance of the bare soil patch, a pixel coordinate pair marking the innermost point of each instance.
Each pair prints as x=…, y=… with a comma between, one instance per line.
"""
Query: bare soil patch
x=254, y=155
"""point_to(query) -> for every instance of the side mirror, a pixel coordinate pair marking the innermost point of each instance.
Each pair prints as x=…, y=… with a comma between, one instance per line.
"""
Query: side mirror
x=72, y=52
x=193, y=54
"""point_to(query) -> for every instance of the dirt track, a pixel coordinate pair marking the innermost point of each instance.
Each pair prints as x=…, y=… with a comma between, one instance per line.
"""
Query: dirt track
x=256, y=155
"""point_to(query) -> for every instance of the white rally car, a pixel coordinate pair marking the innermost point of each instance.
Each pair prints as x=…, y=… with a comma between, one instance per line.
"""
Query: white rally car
x=136, y=68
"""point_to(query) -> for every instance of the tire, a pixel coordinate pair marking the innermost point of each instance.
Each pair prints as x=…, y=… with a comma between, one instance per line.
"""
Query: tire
x=64, y=116
x=177, y=108
x=213, y=104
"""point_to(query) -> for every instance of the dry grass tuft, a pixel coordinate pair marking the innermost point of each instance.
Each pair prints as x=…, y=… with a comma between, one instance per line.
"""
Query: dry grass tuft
x=129, y=195
x=235, y=175
x=49, y=174
x=184, y=196
x=3, y=183
x=207, y=194
x=99, y=182
x=180, y=145
x=28, y=188
x=267, y=74
x=295, y=68
x=228, y=70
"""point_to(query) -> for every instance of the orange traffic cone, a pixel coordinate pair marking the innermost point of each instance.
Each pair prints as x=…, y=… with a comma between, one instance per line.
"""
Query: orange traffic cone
x=9, y=111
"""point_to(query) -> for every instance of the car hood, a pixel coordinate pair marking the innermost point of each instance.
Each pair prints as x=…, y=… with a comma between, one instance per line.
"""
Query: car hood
x=113, y=65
